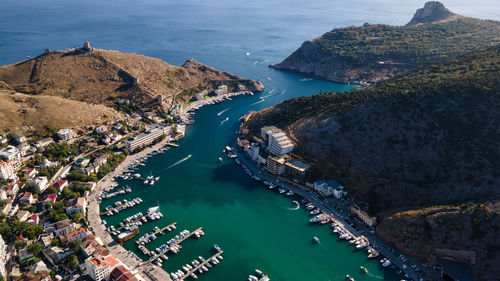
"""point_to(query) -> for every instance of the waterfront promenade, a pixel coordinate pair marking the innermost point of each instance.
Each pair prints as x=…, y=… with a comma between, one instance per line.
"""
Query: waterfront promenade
x=328, y=206
x=147, y=271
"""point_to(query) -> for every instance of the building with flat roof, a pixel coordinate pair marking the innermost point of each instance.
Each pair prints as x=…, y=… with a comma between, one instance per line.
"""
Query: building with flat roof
x=41, y=182
x=364, y=216
x=276, y=165
x=146, y=138
x=265, y=130
x=297, y=169
x=65, y=134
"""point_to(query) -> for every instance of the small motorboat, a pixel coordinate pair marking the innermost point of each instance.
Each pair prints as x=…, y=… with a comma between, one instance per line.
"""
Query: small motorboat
x=316, y=239
x=349, y=277
x=220, y=159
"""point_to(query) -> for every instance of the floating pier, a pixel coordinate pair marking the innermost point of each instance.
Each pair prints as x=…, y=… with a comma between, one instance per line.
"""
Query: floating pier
x=155, y=232
x=195, y=269
x=169, y=247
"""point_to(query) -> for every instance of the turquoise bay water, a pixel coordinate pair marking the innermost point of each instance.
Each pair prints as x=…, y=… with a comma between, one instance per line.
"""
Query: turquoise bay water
x=254, y=226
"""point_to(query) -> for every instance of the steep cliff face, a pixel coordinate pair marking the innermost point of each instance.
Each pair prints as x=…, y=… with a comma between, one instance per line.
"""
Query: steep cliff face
x=467, y=232
x=375, y=52
x=424, y=139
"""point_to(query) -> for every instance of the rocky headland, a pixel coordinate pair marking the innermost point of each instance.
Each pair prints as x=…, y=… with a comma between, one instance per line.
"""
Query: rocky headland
x=375, y=52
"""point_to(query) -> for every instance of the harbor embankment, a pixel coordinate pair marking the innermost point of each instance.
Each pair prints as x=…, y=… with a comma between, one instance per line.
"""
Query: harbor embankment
x=147, y=270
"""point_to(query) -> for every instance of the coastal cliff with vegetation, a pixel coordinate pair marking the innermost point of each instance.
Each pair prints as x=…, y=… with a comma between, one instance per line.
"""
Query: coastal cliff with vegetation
x=375, y=52
x=428, y=138
x=88, y=80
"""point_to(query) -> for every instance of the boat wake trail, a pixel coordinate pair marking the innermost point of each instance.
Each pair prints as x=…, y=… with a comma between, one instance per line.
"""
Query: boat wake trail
x=262, y=100
x=220, y=113
x=266, y=96
x=224, y=121
x=294, y=209
x=178, y=162
x=282, y=93
x=372, y=275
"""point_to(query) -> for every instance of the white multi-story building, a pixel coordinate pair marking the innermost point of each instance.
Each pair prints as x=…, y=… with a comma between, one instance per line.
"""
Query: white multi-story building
x=254, y=152
x=13, y=154
x=221, y=90
x=41, y=182
x=7, y=171
x=145, y=138
x=65, y=134
x=278, y=143
x=99, y=267
x=3, y=256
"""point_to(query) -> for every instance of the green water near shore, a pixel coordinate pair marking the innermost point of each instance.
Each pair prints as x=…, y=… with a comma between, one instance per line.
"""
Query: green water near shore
x=256, y=227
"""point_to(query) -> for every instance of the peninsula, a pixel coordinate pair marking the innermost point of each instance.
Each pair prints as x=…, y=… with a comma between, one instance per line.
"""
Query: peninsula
x=374, y=52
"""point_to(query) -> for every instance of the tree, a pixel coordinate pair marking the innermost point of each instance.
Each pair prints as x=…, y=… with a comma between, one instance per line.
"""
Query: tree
x=61, y=217
x=31, y=208
x=19, y=245
x=72, y=262
x=76, y=217
x=51, y=190
x=32, y=187
x=33, y=231
x=35, y=248
x=75, y=244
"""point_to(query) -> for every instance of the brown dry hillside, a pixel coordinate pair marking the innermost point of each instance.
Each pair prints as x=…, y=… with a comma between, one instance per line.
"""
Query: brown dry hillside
x=40, y=112
x=102, y=76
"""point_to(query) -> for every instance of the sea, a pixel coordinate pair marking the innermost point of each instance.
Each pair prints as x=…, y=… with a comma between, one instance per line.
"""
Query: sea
x=257, y=228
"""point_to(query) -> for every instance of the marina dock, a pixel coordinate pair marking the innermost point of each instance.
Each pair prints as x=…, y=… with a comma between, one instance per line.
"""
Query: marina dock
x=164, y=251
x=194, y=270
x=172, y=144
x=157, y=231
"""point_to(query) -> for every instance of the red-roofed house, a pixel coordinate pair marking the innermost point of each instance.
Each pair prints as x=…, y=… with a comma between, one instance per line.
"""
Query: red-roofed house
x=30, y=173
x=34, y=219
x=77, y=205
x=50, y=198
x=60, y=185
x=91, y=247
x=77, y=234
x=26, y=199
x=120, y=273
x=99, y=267
x=12, y=189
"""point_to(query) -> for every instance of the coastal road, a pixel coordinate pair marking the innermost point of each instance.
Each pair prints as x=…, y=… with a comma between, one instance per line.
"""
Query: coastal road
x=328, y=206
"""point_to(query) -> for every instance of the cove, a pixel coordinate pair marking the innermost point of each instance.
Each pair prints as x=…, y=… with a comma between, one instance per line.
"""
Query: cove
x=256, y=227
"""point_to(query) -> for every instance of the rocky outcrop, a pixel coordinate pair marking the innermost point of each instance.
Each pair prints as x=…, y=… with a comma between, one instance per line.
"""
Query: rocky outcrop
x=376, y=52
x=432, y=11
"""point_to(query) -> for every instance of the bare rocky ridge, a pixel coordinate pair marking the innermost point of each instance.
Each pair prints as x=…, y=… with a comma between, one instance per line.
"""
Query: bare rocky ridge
x=427, y=138
x=103, y=77
x=376, y=52
x=432, y=11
